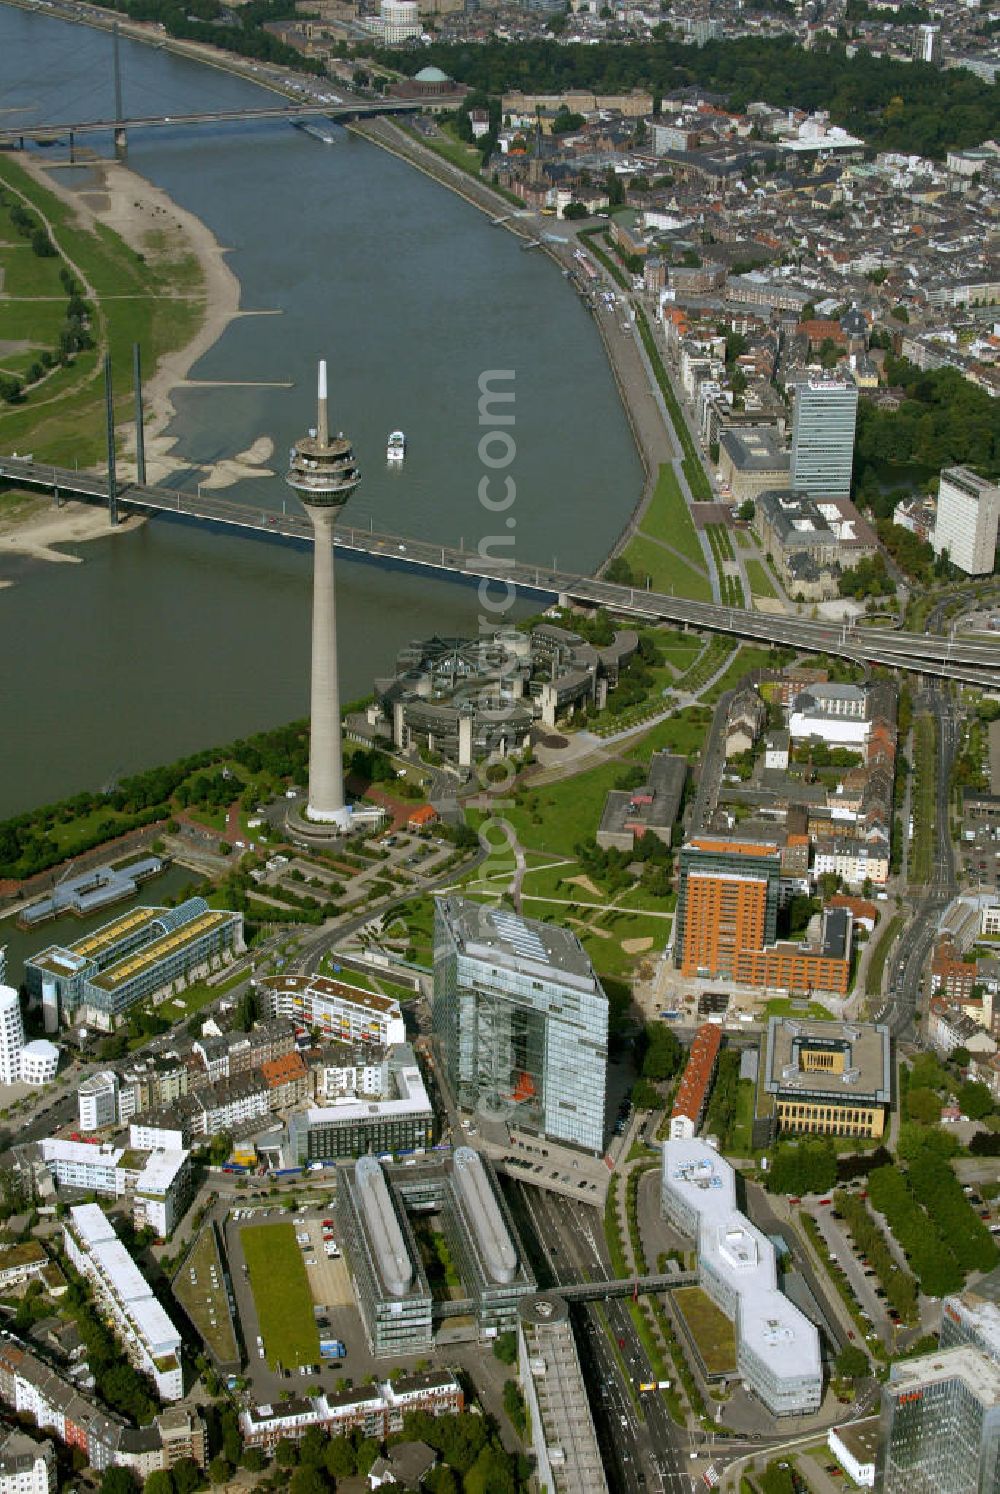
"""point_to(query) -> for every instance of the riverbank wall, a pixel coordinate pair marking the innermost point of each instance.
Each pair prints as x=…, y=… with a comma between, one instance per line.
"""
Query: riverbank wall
x=652, y=440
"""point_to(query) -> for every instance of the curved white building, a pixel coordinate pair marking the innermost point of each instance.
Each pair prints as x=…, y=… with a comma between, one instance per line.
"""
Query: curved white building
x=384, y=1232
x=39, y=1062
x=11, y=1035
x=492, y=1235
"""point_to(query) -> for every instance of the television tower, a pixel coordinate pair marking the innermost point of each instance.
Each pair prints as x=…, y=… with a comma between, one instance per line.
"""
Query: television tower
x=324, y=474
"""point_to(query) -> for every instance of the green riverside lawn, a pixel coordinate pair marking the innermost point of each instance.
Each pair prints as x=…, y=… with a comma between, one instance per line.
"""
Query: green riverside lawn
x=159, y=303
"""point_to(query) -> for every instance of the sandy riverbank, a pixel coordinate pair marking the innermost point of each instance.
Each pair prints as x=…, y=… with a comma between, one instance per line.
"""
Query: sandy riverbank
x=152, y=224
x=35, y=526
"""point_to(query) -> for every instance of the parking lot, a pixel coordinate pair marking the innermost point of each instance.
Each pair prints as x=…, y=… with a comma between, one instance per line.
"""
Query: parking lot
x=840, y=1246
x=332, y=1296
x=329, y=1278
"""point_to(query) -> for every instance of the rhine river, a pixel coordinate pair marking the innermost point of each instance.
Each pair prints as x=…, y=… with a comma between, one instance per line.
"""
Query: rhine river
x=173, y=637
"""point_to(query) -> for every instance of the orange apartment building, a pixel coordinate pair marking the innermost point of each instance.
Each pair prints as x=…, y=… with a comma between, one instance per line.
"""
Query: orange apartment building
x=727, y=923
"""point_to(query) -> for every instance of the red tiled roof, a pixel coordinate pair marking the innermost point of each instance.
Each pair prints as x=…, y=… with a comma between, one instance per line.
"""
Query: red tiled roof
x=697, y=1076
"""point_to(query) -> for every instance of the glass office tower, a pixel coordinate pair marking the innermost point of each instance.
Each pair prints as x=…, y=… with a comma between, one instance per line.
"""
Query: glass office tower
x=941, y=1425
x=522, y=1022
x=826, y=410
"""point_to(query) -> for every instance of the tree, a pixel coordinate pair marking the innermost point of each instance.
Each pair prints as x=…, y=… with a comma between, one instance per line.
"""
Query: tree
x=747, y=510
x=975, y=1100
x=253, y=1460
x=232, y=1442
x=312, y=1448
x=852, y=1362
x=309, y=1480
x=664, y=1053
x=118, y=1481
x=924, y=1106
x=160, y=1481
x=286, y=1454
x=645, y=1096
x=219, y=1470
x=187, y=1476
x=505, y=1347
x=340, y=1460
x=441, y=1480
x=368, y=1451
x=493, y=1472
x=960, y=1057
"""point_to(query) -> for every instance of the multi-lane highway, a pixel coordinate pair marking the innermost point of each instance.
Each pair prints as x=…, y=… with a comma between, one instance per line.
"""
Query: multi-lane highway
x=649, y=1453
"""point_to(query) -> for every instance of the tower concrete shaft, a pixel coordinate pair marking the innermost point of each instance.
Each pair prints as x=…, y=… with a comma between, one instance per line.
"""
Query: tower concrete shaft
x=323, y=472
x=326, y=772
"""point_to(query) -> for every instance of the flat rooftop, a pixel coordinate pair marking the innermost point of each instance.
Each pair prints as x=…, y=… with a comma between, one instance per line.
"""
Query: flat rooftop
x=859, y=1438
x=769, y=1324
x=160, y=949
x=979, y=1374
x=499, y=937
x=557, y=1380
x=333, y=990
x=858, y=1054
x=756, y=449
x=110, y=933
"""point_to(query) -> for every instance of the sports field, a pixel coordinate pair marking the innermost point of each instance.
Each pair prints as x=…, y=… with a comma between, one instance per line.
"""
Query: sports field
x=281, y=1295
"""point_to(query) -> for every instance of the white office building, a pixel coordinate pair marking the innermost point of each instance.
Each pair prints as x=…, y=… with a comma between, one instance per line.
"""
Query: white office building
x=399, y=21
x=823, y=421
x=157, y=1182
x=97, y=1101
x=11, y=1035
x=777, y=1347
x=968, y=516
x=26, y=1466
x=146, y=1333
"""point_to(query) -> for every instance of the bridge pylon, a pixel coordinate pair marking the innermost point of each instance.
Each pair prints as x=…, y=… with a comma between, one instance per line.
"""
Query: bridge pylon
x=109, y=411
x=121, y=134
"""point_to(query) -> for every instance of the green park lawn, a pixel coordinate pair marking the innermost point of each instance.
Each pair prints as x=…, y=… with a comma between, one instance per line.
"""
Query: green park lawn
x=556, y=816
x=667, y=572
x=761, y=584
x=668, y=518
x=747, y=658
x=683, y=734
x=281, y=1295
